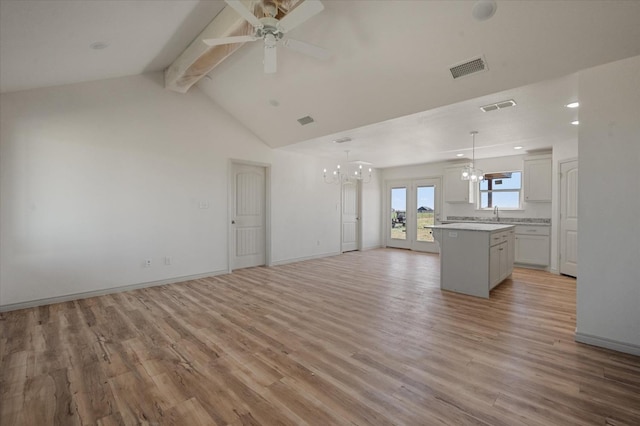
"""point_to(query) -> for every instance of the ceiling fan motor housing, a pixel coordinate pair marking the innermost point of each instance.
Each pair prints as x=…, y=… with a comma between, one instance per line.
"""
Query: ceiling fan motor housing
x=269, y=26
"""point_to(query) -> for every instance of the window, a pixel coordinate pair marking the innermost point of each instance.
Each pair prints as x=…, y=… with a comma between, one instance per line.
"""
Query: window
x=500, y=189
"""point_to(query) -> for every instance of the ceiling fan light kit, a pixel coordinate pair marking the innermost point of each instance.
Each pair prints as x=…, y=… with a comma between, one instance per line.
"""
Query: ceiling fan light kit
x=271, y=30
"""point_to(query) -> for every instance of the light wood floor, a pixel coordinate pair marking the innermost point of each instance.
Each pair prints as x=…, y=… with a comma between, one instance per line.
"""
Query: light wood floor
x=362, y=338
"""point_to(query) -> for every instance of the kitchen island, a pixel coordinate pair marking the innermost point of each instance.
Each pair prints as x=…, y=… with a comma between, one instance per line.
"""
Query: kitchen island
x=474, y=257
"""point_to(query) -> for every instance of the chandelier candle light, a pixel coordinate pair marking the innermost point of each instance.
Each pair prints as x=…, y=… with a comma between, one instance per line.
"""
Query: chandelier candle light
x=340, y=175
x=469, y=172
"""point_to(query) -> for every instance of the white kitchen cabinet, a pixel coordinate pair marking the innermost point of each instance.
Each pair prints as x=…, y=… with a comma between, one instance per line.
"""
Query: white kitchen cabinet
x=457, y=190
x=474, y=257
x=511, y=249
x=501, y=256
x=537, y=180
x=532, y=245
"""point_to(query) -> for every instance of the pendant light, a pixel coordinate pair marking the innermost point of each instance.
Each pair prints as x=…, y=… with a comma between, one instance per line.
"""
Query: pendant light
x=469, y=172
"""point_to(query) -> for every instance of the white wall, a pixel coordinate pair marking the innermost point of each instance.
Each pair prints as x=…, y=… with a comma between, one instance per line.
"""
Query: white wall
x=608, y=299
x=372, y=212
x=96, y=177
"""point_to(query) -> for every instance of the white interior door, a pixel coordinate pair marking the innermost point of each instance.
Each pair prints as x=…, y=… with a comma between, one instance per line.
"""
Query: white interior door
x=569, y=218
x=248, y=218
x=350, y=216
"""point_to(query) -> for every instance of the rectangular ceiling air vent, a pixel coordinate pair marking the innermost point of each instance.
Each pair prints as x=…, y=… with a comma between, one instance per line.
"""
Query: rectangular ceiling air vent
x=343, y=140
x=498, y=105
x=306, y=120
x=472, y=66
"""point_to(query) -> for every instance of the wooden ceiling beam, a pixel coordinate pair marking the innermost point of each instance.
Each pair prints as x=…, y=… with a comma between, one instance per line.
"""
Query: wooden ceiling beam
x=199, y=59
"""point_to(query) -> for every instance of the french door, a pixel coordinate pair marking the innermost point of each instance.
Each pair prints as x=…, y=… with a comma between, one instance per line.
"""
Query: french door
x=413, y=206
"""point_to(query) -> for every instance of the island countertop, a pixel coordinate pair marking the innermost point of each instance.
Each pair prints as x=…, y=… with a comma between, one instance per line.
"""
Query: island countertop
x=468, y=226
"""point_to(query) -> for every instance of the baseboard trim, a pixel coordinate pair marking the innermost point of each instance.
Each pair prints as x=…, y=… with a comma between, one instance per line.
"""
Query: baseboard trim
x=531, y=266
x=377, y=246
x=102, y=292
x=301, y=259
x=607, y=343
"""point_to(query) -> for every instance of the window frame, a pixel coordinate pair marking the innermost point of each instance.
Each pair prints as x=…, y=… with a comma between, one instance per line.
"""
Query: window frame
x=479, y=192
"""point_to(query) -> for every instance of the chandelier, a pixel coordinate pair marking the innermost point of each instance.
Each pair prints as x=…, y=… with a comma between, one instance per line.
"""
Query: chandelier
x=469, y=172
x=347, y=173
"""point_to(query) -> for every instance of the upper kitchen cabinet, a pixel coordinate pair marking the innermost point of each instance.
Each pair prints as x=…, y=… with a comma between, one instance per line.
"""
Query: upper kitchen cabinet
x=537, y=179
x=456, y=190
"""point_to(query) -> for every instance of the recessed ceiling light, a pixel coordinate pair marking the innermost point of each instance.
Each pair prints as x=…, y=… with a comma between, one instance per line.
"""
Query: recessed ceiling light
x=573, y=105
x=459, y=155
x=518, y=147
x=99, y=45
x=575, y=123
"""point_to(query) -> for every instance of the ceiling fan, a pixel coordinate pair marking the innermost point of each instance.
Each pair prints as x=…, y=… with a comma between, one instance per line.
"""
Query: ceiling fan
x=271, y=30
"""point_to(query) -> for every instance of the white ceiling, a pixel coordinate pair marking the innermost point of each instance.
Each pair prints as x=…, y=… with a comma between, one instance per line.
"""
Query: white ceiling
x=46, y=43
x=390, y=59
x=538, y=121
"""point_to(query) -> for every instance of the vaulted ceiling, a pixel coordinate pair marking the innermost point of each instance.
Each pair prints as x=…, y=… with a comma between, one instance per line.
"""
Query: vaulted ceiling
x=390, y=59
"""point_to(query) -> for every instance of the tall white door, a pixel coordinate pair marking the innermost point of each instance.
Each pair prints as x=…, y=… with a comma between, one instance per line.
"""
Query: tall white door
x=350, y=218
x=569, y=218
x=398, y=200
x=248, y=221
x=425, y=212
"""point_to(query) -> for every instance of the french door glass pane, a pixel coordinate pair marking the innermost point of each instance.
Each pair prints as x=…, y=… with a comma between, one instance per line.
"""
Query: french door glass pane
x=426, y=204
x=399, y=213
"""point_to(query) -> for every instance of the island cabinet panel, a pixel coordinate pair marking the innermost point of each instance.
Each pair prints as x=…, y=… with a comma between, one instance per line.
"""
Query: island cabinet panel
x=474, y=258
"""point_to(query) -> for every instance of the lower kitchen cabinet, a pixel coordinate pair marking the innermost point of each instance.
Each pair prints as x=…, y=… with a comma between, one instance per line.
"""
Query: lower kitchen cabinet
x=532, y=245
x=501, y=256
x=474, y=257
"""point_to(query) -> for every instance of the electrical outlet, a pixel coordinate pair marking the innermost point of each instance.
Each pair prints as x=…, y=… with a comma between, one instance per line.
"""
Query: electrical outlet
x=318, y=242
x=147, y=263
x=167, y=260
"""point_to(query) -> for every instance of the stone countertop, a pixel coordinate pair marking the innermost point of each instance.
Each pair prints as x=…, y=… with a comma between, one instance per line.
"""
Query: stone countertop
x=500, y=222
x=469, y=226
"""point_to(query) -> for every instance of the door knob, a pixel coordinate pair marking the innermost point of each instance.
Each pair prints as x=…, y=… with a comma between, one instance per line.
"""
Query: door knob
x=233, y=222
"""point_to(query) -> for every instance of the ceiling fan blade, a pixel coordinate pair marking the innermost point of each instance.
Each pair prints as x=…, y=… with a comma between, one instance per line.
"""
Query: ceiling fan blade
x=239, y=7
x=307, y=49
x=300, y=14
x=228, y=40
x=270, y=59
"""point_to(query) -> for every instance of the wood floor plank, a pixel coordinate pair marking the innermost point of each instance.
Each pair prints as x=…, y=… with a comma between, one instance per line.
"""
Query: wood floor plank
x=361, y=338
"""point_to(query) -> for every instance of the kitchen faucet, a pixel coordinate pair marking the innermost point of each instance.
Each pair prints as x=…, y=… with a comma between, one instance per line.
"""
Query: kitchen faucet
x=496, y=213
